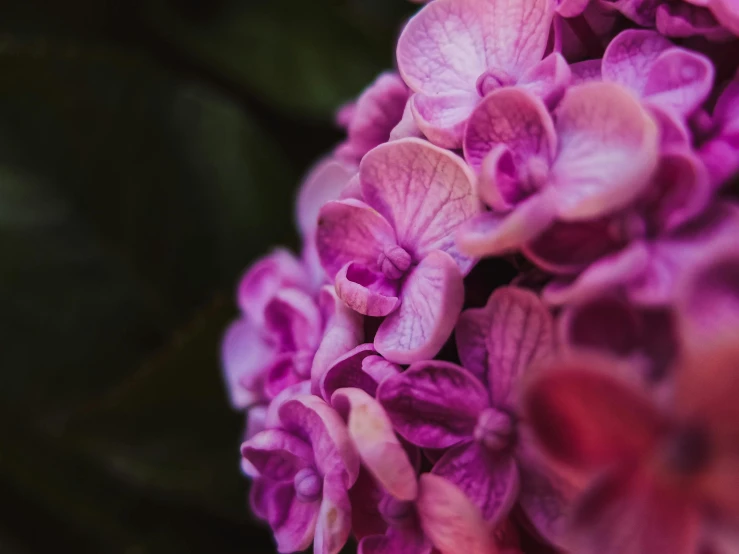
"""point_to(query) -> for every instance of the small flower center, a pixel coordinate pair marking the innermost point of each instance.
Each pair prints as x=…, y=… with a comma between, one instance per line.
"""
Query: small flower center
x=492, y=80
x=394, y=511
x=394, y=261
x=688, y=449
x=302, y=363
x=308, y=485
x=494, y=429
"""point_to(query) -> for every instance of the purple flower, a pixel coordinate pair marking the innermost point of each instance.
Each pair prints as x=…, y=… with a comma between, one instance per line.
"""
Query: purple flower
x=305, y=469
x=594, y=158
x=472, y=413
x=370, y=120
x=454, y=52
x=720, y=152
x=393, y=255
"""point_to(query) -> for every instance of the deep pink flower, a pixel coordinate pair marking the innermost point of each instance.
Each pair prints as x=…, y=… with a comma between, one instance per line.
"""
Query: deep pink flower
x=393, y=255
x=594, y=158
x=454, y=52
x=656, y=477
x=472, y=412
x=720, y=152
x=305, y=469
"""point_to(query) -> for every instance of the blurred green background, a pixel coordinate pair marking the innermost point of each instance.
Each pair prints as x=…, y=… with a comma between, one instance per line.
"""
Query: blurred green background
x=149, y=151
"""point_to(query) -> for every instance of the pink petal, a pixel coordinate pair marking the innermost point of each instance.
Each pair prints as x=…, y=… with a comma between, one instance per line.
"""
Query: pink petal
x=276, y=454
x=520, y=335
x=255, y=423
x=378, y=447
x=433, y=404
x=344, y=331
x=679, y=80
x=489, y=480
x=278, y=270
x=549, y=78
x=310, y=417
x=587, y=419
x=641, y=12
x=432, y=298
x=351, y=231
x=295, y=532
x=281, y=375
x=626, y=513
x=470, y=334
x=324, y=183
x=571, y=8
x=585, y=72
x=399, y=540
x=406, y=127
x=245, y=358
x=424, y=192
x=727, y=13
x=630, y=57
x=361, y=368
x=567, y=248
x=293, y=321
x=515, y=118
x=608, y=151
x=272, y=417
x=366, y=291
x=334, y=519
x=673, y=132
x=682, y=19
x=450, y=43
x=450, y=520
x=492, y=234
x=501, y=183
x=442, y=117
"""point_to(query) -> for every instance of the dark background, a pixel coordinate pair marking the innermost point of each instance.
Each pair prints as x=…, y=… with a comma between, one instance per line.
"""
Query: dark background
x=149, y=151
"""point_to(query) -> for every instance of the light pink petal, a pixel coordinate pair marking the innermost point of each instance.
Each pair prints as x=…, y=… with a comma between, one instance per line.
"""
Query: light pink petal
x=407, y=126
x=344, y=331
x=351, y=231
x=434, y=404
x=278, y=270
x=470, y=334
x=679, y=80
x=587, y=418
x=489, y=480
x=366, y=291
x=549, y=78
x=571, y=8
x=323, y=183
x=608, y=150
x=318, y=423
x=630, y=57
x=424, y=192
x=585, y=72
x=516, y=119
x=245, y=358
x=431, y=301
x=627, y=513
x=491, y=234
x=276, y=454
x=334, y=519
x=378, y=447
x=442, y=117
x=520, y=334
x=568, y=247
x=727, y=13
x=294, y=530
x=450, y=520
x=502, y=182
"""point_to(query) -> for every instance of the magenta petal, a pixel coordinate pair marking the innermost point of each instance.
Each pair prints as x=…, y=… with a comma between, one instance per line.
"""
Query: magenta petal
x=433, y=404
x=293, y=320
x=245, y=357
x=679, y=80
x=281, y=375
x=681, y=19
x=520, y=334
x=471, y=335
x=276, y=454
x=347, y=372
x=726, y=11
x=334, y=519
x=489, y=480
x=318, y=424
x=323, y=183
x=365, y=497
x=515, y=118
x=351, y=231
x=272, y=417
x=673, y=132
x=549, y=78
x=451, y=521
x=608, y=151
x=585, y=72
x=442, y=118
x=492, y=234
x=366, y=291
x=398, y=540
x=432, y=298
x=630, y=57
x=499, y=184
x=295, y=532
x=544, y=500
x=424, y=192
x=571, y=8
x=378, y=447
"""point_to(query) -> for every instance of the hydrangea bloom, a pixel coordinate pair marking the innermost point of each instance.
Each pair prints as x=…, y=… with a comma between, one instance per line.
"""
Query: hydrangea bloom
x=588, y=405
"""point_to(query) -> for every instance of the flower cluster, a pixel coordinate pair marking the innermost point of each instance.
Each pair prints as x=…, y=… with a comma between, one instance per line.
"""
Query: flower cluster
x=400, y=389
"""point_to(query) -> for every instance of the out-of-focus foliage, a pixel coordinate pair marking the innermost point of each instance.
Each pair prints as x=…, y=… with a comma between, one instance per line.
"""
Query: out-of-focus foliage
x=148, y=152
